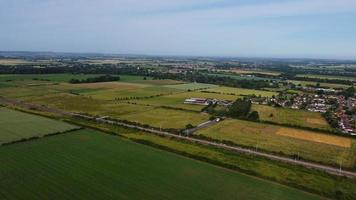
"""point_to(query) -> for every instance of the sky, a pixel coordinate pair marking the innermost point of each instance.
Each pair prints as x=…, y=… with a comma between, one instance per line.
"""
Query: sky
x=241, y=28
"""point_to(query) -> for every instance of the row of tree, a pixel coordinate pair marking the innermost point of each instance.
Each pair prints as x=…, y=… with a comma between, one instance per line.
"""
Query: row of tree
x=105, y=78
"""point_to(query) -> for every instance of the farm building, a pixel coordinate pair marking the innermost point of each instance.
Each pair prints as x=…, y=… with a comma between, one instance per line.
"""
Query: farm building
x=201, y=101
x=198, y=101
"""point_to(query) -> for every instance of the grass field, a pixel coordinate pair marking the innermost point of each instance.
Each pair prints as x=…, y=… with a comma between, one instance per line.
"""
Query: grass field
x=294, y=175
x=349, y=78
x=191, y=86
x=177, y=99
x=238, y=77
x=82, y=104
x=166, y=118
x=331, y=85
x=146, y=91
x=315, y=137
x=152, y=115
x=148, y=81
x=15, y=62
x=241, y=91
x=49, y=77
x=263, y=72
x=270, y=138
x=15, y=125
x=291, y=117
x=91, y=165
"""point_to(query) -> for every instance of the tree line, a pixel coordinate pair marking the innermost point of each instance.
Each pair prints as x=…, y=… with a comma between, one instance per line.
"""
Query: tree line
x=105, y=78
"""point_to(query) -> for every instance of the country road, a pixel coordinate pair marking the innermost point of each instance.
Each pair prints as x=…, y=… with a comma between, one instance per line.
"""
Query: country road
x=311, y=165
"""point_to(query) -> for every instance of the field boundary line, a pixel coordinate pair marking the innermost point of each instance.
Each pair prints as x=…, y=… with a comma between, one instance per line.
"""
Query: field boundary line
x=306, y=164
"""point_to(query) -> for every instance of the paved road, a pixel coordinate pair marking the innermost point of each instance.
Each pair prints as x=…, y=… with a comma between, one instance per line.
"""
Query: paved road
x=202, y=125
x=325, y=168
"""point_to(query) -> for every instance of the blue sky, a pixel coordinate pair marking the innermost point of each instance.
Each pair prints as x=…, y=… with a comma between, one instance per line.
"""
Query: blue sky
x=264, y=28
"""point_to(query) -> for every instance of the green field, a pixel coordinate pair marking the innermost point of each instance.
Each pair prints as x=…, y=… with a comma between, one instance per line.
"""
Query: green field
x=191, y=86
x=166, y=118
x=241, y=91
x=273, y=138
x=15, y=126
x=330, y=85
x=90, y=165
x=141, y=113
x=49, y=77
x=291, y=117
x=145, y=91
x=177, y=99
x=348, y=78
x=149, y=80
x=83, y=104
x=238, y=77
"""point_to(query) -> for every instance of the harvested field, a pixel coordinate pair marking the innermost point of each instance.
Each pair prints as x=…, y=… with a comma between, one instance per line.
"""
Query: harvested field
x=264, y=136
x=291, y=117
x=316, y=137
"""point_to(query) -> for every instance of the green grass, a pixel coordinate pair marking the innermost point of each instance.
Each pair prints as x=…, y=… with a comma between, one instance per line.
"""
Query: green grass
x=294, y=175
x=149, y=91
x=82, y=104
x=177, y=99
x=166, y=118
x=265, y=137
x=91, y=165
x=191, y=86
x=156, y=117
x=15, y=125
x=291, y=117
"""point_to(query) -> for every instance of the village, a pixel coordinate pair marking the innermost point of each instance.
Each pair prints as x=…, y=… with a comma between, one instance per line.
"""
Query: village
x=338, y=110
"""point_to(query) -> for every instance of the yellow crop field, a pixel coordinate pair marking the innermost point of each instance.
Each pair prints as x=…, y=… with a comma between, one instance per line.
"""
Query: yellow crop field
x=315, y=137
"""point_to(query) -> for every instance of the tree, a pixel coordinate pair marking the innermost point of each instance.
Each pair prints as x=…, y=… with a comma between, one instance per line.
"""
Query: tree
x=239, y=109
x=189, y=126
x=253, y=116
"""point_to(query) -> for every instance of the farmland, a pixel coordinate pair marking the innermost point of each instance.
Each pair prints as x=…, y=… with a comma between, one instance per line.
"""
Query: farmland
x=241, y=91
x=270, y=138
x=263, y=72
x=166, y=118
x=15, y=126
x=159, y=103
x=191, y=86
x=291, y=117
x=239, y=77
x=64, y=167
x=144, y=91
x=47, y=77
x=331, y=85
x=327, y=77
